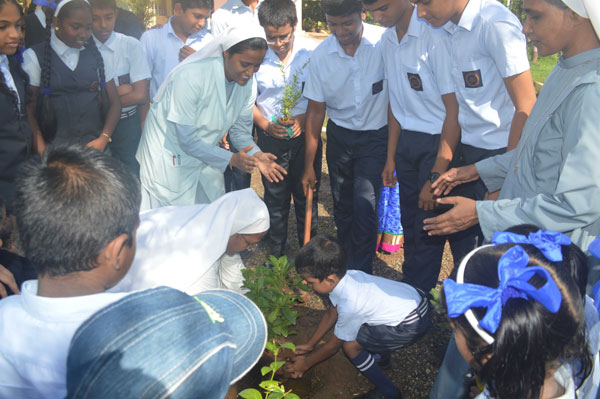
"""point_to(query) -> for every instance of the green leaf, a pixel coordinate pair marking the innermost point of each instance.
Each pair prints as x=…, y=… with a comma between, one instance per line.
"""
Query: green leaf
x=276, y=395
x=292, y=395
x=250, y=393
x=289, y=345
x=270, y=346
x=269, y=385
x=265, y=370
x=289, y=315
x=276, y=365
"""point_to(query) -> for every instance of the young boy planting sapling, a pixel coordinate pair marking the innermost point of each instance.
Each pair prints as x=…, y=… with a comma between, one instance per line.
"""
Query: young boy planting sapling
x=372, y=315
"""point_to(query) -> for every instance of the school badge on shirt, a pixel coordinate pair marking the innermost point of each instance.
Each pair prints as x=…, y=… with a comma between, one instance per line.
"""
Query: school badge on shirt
x=473, y=79
x=415, y=81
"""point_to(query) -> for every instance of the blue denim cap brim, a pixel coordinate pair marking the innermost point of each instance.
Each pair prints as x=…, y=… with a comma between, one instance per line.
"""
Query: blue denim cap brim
x=163, y=343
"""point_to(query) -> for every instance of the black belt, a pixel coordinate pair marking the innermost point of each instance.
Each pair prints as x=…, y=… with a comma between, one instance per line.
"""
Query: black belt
x=129, y=113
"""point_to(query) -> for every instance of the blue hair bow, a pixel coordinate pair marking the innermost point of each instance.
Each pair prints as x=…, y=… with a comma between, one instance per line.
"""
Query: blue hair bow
x=594, y=248
x=514, y=283
x=547, y=241
x=46, y=3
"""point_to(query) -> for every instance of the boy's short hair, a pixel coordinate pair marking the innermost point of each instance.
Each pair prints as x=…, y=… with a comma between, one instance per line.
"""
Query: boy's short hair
x=277, y=13
x=341, y=8
x=322, y=257
x=185, y=4
x=103, y=4
x=71, y=205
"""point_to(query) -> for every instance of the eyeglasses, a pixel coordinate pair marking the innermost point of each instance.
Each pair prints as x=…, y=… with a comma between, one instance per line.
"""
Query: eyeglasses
x=250, y=246
x=282, y=39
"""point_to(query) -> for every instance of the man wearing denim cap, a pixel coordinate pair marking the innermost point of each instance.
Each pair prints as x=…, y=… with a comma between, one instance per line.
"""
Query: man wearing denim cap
x=164, y=343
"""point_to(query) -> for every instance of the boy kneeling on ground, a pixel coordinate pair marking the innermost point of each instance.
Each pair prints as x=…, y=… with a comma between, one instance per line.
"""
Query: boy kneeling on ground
x=372, y=315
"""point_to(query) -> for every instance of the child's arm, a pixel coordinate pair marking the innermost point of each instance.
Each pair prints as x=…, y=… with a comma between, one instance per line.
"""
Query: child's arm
x=394, y=130
x=300, y=364
x=272, y=128
x=521, y=92
x=112, y=118
x=138, y=95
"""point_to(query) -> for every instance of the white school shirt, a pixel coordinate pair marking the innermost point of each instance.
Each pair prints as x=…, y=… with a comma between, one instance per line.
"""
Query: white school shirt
x=416, y=69
x=68, y=55
x=359, y=297
x=270, y=82
x=162, y=49
x=36, y=333
x=127, y=59
x=487, y=46
x=233, y=13
x=8, y=79
x=353, y=88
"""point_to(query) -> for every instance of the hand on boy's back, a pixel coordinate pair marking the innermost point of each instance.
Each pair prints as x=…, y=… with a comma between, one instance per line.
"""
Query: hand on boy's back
x=297, y=366
x=185, y=52
x=270, y=169
x=7, y=278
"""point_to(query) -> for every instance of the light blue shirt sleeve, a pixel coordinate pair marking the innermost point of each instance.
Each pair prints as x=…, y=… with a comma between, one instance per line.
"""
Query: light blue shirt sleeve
x=241, y=131
x=192, y=145
x=312, y=87
x=140, y=69
x=493, y=170
x=506, y=43
x=31, y=65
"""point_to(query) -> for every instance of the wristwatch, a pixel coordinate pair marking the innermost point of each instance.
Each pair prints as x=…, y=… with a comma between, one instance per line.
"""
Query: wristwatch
x=433, y=176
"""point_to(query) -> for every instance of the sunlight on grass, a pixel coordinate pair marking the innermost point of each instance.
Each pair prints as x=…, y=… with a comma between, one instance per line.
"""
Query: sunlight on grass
x=543, y=66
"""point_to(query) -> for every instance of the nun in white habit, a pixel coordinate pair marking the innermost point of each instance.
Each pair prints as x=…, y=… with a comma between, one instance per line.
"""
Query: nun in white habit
x=206, y=96
x=196, y=248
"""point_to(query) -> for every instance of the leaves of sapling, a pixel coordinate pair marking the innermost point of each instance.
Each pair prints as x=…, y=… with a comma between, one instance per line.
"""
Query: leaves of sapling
x=265, y=370
x=250, y=393
x=289, y=345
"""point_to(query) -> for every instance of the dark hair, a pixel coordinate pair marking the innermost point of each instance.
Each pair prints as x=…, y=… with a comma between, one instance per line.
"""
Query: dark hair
x=322, y=257
x=185, y=4
x=341, y=8
x=14, y=62
x=277, y=13
x=46, y=115
x=529, y=337
x=254, y=43
x=103, y=4
x=71, y=205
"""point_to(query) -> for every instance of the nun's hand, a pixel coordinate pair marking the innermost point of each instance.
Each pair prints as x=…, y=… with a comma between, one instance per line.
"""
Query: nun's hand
x=461, y=216
x=452, y=178
x=270, y=169
x=243, y=161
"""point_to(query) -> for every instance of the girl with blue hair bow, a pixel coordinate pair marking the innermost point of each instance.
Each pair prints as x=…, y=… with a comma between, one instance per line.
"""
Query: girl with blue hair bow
x=520, y=324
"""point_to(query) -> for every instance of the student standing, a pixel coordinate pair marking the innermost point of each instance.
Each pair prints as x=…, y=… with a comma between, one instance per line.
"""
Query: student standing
x=423, y=127
x=346, y=78
x=15, y=134
x=187, y=27
x=74, y=97
x=235, y=13
x=210, y=93
x=126, y=58
x=287, y=56
x=493, y=85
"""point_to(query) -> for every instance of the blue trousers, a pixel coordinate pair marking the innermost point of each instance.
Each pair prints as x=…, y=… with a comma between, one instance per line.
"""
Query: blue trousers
x=125, y=141
x=356, y=160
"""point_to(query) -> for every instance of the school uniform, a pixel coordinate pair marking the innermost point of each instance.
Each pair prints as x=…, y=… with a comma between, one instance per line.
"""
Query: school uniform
x=128, y=24
x=487, y=45
x=290, y=152
x=128, y=61
x=35, y=27
x=233, y=13
x=358, y=298
x=417, y=72
x=15, y=133
x=162, y=50
x=356, y=97
x=180, y=162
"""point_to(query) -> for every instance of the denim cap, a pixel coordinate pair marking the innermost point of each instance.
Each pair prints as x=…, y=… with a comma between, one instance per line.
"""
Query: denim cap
x=163, y=343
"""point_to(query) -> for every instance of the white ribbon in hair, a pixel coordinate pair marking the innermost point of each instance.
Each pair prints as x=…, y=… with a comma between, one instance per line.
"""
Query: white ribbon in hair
x=589, y=9
x=215, y=48
x=62, y=4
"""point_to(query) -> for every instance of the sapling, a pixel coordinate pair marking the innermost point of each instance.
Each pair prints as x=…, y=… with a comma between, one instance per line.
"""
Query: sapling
x=292, y=92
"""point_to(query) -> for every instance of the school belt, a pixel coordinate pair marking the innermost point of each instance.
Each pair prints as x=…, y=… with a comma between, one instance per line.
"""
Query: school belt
x=129, y=113
x=417, y=314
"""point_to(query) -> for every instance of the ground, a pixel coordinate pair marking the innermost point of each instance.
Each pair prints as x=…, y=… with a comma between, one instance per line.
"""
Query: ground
x=413, y=369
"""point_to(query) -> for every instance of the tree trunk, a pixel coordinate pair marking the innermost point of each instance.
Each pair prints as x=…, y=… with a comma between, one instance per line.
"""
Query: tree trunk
x=534, y=54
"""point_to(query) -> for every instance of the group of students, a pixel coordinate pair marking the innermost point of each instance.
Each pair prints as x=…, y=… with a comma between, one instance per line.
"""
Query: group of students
x=443, y=97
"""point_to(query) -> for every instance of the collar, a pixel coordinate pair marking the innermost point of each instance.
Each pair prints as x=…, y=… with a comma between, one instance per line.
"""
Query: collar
x=109, y=44
x=579, y=59
x=470, y=13
x=3, y=61
x=415, y=27
x=336, y=294
x=60, y=309
x=59, y=47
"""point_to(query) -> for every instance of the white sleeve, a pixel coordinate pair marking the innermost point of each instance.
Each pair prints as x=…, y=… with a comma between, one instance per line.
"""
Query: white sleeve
x=31, y=65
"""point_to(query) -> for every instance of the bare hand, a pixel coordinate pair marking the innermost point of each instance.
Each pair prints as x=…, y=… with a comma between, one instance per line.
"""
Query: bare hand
x=297, y=366
x=185, y=52
x=491, y=196
x=296, y=129
x=462, y=216
x=124, y=89
x=99, y=143
x=223, y=143
x=243, y=161
x=270, y=169
x=276, y=130
x=309, y=180
x=389, y=180
x=452, y=178
x=426, y=198
x=303, y=349
x=7, y=278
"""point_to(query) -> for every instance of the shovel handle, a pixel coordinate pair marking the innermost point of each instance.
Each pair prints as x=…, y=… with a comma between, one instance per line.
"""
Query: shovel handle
x=308, y=215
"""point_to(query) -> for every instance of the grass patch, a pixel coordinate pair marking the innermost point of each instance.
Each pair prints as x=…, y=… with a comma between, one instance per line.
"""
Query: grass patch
x=541, y=69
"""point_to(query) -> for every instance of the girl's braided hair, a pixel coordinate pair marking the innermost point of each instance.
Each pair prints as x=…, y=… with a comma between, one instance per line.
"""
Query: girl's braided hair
x=14, y=63
x=103, y=101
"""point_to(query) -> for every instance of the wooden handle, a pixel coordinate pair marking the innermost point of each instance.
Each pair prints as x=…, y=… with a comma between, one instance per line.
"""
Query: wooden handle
x=308, y=215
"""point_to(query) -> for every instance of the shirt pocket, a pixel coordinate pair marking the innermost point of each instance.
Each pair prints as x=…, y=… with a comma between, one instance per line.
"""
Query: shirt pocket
x=473, y=77
x=418, y=80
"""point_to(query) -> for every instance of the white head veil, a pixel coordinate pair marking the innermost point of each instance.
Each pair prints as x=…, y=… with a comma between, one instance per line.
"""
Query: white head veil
x=232, y=36
x=589, y=9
